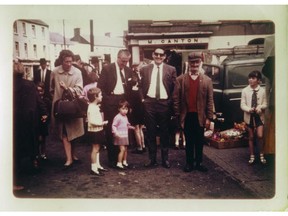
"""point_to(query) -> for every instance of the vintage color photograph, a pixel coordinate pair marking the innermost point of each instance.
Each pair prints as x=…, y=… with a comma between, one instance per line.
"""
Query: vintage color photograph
x=155, y=104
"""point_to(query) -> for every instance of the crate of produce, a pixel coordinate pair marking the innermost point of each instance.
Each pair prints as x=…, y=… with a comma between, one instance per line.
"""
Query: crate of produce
x=227, y=143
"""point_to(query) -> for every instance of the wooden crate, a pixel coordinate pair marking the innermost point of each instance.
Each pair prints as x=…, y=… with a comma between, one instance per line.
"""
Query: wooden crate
x=233, y=143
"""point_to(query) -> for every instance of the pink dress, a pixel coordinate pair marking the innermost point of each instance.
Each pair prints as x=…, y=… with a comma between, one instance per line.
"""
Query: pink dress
x=120, y=126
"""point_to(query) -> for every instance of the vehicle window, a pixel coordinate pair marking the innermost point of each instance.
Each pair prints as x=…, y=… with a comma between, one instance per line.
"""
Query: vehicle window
x=238, y=75
x=213, y=72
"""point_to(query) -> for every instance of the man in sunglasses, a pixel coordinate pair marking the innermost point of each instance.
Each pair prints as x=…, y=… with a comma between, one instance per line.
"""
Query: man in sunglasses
x=193, y=104
x=156, y=88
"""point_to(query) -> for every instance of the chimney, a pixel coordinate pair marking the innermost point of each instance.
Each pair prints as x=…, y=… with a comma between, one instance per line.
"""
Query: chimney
x=76, y=32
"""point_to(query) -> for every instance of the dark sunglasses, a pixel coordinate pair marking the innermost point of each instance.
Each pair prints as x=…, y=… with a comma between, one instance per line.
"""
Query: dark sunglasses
x=195, y=61
x=159, y=54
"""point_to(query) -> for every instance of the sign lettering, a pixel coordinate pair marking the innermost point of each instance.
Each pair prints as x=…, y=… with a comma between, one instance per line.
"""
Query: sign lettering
x=173, y=41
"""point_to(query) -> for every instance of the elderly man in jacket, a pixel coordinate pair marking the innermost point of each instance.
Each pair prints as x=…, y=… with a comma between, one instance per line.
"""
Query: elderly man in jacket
x=193, y=105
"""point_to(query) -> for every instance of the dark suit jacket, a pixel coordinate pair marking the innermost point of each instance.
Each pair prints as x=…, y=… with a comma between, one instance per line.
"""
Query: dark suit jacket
x=168, y=78
x=205, y=101
x=108, y=78
x=37, y=78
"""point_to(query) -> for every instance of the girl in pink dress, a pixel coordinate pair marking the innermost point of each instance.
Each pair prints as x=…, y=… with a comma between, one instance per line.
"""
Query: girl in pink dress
x=120, y=128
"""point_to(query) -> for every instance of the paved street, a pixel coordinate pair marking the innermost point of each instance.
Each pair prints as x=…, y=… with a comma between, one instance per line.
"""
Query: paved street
x=222, y=181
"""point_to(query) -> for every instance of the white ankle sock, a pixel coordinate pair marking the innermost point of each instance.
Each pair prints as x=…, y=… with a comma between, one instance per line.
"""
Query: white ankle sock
x=98, y=160
x=94, y=167
x=119, y=164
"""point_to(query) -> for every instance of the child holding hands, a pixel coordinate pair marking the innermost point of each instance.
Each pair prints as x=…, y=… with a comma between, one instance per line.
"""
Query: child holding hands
x=95, y=132
x=120, y=128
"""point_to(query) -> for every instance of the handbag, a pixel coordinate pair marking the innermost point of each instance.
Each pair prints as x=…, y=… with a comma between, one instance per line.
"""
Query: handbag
x=70, y=106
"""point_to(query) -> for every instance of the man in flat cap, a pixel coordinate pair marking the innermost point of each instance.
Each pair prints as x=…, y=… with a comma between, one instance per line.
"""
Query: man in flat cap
x=193, y=106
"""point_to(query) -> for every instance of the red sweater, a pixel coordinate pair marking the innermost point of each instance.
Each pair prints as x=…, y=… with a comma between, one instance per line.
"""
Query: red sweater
x=193, y=91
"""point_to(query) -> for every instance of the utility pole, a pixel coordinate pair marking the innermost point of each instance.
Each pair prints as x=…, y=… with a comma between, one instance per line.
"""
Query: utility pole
x=64, y=34
x=91, y=36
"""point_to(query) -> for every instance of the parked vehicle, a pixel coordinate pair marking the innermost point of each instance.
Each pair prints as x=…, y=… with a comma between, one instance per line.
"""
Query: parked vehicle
x=229, y=79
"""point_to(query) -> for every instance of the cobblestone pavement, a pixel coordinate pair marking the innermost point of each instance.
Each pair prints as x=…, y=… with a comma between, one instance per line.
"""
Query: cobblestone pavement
x=137, y=182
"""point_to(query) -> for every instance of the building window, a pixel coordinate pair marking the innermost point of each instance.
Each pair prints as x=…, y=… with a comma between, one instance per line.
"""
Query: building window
x=35, y=50
x=15, y=28
x=43, y=32
x=24, y=28
x=33, y=31
x=26, y=50
x=44, y=50
x=17, y=49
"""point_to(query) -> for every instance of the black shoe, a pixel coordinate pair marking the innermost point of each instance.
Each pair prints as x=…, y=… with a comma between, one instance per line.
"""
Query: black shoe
x=201, y=168
x=77, y=161
x=166, y=164
x=188, y=168
x=103, y=169
x=95, y=173
x=151, y=164
x=144, y=150
x=67, y=167
x=126, y=166
x=176, y=147
x=137, y=151
x=112, y=164
x=120, y=168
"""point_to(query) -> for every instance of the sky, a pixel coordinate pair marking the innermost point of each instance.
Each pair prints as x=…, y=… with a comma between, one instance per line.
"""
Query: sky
x=99, y=28
x=114, y=18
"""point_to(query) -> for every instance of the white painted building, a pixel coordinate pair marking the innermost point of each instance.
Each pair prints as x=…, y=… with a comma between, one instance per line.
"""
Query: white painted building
x=30, y=43
x=104, y=46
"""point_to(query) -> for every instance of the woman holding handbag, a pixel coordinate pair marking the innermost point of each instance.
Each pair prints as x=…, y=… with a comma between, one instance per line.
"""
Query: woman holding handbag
x=63, y=78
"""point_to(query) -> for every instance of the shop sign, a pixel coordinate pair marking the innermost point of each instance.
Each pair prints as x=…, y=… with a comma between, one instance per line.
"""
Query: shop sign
x=173, y=41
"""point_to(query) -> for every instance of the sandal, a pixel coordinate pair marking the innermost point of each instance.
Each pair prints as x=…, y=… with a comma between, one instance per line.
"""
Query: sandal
x=262, y=159
x=252, y=159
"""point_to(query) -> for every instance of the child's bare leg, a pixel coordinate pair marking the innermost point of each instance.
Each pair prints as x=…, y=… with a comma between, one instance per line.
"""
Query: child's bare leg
x=138, y=137
x=125, y=157
x=260, y=143
x=142, y=136
x=95, y=150
x=121, y=156
x=251, y=145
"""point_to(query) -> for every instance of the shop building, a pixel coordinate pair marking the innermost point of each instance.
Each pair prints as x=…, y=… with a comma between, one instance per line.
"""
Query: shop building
x=182, y=36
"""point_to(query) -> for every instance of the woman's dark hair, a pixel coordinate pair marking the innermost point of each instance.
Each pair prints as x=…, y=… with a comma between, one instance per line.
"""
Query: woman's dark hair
x=123, y=103
x=93, y=77
x=255, y=74
x=65, y=53
x=92, y=93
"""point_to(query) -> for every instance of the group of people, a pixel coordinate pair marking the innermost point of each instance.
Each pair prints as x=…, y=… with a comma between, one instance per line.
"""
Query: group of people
x=117, y=100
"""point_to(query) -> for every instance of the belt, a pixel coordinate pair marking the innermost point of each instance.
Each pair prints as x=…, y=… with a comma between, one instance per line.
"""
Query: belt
x=150, y=98
x=112, y=94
